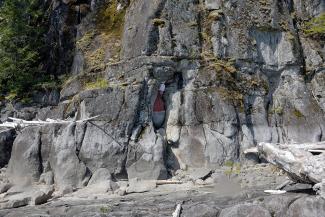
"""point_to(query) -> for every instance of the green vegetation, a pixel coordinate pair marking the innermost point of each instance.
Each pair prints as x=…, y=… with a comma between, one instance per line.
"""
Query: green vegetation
x=11, y=96
x=297, y=113
x=277, y=110
x=316, y=27
x=21, y=46
x=100, y=83
x=84, y=42
x=158, y=22
x=105, y=37
x=224, y=65
x=233, y=168
x=104, y=209
x=215, y=15
x=87, y=81
x=110, y=19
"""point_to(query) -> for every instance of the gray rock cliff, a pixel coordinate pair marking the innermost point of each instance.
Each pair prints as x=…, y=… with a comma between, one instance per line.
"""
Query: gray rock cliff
x=236, y=73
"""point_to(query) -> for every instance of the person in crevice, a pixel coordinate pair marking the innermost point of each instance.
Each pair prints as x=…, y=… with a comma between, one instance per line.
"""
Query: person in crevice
x=159, y=110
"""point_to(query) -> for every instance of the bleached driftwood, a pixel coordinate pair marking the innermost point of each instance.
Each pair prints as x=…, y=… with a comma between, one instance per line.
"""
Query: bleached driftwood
x=20, y=123
x=274, y=191
x=168, y=182
x=296, y=159
x=177, y=211
x=318, y=147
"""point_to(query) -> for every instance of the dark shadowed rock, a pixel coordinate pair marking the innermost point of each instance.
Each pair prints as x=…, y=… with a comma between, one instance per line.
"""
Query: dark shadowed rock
x=46, y=98
x=6, y=141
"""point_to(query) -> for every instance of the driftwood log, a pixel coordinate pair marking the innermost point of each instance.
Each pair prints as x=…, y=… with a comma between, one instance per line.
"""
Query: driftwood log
x=17, y=123
x=304, y=163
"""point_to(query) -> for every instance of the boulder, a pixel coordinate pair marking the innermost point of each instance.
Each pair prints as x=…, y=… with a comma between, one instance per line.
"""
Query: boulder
x=307, y=206
x=245, y=210
x=70, y=89
x=200, y=210
x=33, y=195
x=138, y=186
x=15, y=203
x=102, y=187
x=47, y=178
x=4, y=187
x=41, y=196
x=101, y=175
x=279, y=204
x=200, y=173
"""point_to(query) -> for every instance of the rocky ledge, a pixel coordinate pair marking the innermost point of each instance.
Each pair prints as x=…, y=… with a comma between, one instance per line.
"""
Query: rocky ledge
x=200, y=192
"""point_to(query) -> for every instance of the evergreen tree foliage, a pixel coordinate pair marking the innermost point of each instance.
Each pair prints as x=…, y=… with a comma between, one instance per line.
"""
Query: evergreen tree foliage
x=21, y=44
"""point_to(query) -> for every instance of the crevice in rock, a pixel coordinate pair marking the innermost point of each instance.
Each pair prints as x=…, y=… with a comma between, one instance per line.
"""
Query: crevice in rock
x=267, y=110
x=153, y=40
x=79, y=143
x=200, y=20
x=104, y=131
x=141, y=108
x=41, y=168
x=238, y=126
x=171, y=161
x=248, y=118
x=153, y=36
x=301, y=55
x=292, y=201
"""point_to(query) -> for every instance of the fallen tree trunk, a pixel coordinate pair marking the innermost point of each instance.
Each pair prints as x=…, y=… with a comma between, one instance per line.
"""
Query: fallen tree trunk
x=317, y=147
x=296, y=159
x=168, y=182
x=20, y=123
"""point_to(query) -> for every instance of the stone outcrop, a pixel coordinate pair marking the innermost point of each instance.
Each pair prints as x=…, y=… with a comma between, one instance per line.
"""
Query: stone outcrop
x=236, y=73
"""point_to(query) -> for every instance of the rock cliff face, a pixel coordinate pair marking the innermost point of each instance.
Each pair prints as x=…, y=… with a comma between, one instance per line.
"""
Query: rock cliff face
x=236, y=73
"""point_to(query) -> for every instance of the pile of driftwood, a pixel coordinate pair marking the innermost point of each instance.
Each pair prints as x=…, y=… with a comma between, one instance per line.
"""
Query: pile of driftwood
x=304, y=163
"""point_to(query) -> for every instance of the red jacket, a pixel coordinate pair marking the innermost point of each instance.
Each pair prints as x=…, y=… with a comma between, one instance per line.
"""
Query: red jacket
x=159, y=104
